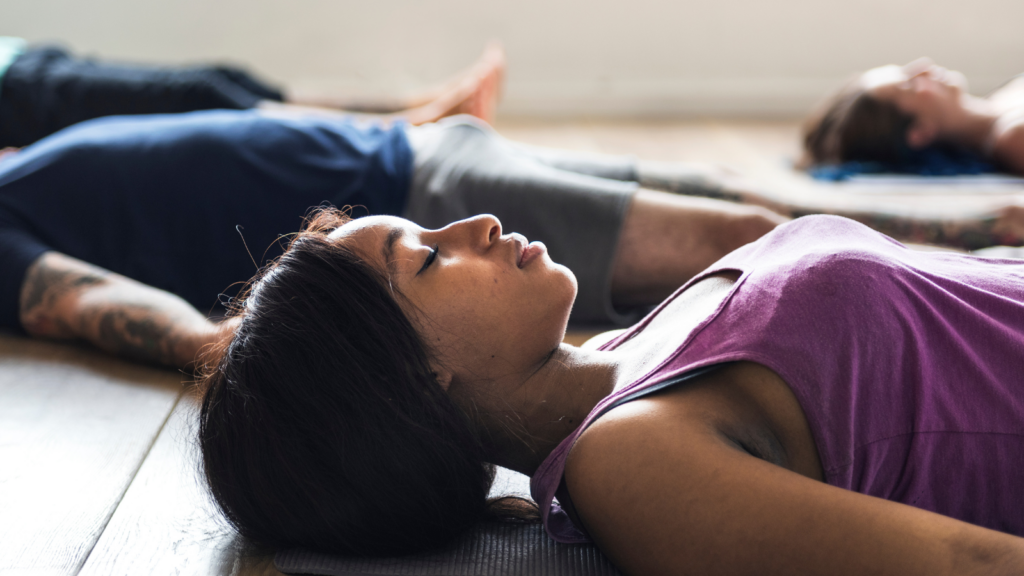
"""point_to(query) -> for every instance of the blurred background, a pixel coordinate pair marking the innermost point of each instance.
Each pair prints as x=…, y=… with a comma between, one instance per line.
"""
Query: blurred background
x=567, y=58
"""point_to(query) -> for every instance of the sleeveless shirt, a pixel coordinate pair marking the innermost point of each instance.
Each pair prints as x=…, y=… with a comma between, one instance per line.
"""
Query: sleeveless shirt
x=908, y=365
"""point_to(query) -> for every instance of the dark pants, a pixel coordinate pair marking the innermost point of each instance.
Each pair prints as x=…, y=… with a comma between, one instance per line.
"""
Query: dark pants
x=47, y=89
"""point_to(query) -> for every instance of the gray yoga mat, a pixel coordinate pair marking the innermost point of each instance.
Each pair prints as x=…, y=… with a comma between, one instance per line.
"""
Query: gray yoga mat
x=490, y=549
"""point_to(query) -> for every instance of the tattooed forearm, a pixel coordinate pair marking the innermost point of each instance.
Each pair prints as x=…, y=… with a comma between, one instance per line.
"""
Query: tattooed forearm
x=48, y=283
x=65, y=298
x=138, y=333
x=967, y=234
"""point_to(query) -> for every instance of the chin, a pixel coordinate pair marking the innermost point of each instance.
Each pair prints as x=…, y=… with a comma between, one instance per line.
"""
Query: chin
x=557, y=297
x=570, y=299
x=571, y=288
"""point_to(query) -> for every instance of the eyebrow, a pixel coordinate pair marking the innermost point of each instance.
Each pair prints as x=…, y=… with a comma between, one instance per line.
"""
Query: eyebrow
x=388, y=250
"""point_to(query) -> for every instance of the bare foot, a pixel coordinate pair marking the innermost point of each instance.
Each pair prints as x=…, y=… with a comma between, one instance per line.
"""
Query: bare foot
x=476, y=91
x=5, y=152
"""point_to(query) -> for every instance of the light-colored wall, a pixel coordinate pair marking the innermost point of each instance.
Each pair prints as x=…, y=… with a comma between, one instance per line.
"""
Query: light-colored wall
x=566, y=57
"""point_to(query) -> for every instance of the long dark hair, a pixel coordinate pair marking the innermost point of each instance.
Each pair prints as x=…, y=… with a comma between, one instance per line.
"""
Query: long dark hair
x=322, y=424
x=851, y=124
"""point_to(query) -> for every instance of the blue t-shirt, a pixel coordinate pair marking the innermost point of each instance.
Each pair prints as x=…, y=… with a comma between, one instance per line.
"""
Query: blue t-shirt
x=158, y=198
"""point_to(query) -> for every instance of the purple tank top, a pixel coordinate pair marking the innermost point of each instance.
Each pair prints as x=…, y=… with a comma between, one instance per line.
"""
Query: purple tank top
x=909, y=366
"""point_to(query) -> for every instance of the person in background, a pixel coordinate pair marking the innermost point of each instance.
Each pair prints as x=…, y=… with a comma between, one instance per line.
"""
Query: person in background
x=129, y=231
x=884, y=114
x=45, y=89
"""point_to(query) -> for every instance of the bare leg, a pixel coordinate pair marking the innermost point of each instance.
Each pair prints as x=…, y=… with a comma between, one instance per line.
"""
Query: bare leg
x=476, y=92
x=666, y=239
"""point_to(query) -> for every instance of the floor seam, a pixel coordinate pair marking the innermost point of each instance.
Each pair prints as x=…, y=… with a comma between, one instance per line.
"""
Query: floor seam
x=131, y=481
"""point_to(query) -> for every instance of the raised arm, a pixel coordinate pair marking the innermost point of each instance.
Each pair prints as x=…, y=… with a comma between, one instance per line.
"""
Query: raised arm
x=662, y=494
x=65, y=298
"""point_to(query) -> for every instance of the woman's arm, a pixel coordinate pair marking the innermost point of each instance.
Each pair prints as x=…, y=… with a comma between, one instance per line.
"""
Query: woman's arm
x=65, y=298
x=969, y=231
x=1008, y=142
x=665, y=493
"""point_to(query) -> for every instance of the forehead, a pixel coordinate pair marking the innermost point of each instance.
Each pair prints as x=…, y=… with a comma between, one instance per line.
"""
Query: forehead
x=882, y=76
x=366, y=228
x=375, y=237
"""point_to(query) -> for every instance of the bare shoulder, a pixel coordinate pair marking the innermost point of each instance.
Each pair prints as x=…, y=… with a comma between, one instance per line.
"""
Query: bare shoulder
x=1010, y=94
x=633, y=471
x=662, y=490
x=1008, y=141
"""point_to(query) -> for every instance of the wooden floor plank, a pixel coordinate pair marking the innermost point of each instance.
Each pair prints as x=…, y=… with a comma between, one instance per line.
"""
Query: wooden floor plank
x=74, y=428
x=166, y=524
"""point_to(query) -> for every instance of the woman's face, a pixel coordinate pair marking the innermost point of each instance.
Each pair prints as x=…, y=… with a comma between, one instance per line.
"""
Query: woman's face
x=488, y=304
x=930, y=93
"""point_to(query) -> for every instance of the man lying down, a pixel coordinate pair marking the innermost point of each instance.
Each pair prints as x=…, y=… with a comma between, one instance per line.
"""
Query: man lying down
x=125, y=231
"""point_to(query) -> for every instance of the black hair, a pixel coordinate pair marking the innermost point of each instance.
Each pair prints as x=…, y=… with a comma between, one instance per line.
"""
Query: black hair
x=853, y=125
x=322, y=424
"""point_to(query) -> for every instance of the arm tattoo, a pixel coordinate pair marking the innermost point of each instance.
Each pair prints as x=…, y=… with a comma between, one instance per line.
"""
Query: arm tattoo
x=136, y=332
x=49, y=280
x=65, y=298
x=967, y=234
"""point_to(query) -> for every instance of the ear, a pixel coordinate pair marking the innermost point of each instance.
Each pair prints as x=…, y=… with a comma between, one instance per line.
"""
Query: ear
x=922, y=134
x=443, y=376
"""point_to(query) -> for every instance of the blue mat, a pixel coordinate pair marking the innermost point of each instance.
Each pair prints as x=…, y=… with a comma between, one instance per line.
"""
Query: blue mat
x=933, y=161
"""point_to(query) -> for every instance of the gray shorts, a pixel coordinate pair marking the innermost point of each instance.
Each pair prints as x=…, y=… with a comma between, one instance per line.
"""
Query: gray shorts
x=573, y=202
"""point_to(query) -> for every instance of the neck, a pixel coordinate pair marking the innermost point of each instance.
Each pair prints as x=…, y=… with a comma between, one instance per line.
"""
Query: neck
x=974, y=129
x=523, y=427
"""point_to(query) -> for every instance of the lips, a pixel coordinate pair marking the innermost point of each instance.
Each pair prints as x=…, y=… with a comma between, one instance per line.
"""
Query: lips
x=520, y=243
x=526, y=251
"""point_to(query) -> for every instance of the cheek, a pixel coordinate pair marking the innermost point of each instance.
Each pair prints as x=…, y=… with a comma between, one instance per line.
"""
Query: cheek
x=454, y=314
x=495, y=312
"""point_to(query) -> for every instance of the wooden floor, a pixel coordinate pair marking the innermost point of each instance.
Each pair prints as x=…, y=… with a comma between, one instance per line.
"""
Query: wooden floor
x=97, y=461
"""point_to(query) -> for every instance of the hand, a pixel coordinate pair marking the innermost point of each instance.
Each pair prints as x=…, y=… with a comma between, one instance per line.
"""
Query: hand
x=1010, y=224
x=5, y=152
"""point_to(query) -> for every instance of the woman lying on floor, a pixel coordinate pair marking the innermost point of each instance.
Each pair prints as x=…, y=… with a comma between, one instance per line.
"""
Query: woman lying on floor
x=117, y=230
x=885, y=111
x=821, y=401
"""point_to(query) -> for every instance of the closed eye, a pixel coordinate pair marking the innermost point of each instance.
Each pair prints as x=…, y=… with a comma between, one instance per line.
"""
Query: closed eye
x=430, y=259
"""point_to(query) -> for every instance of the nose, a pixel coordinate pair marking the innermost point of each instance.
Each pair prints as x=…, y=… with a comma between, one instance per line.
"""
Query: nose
x=478, y=232
x=918, y=67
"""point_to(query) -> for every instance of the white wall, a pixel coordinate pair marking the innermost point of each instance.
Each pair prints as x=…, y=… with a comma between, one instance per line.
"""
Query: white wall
x=566, y=57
